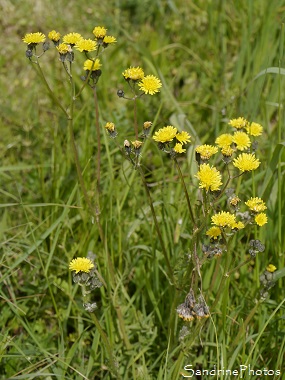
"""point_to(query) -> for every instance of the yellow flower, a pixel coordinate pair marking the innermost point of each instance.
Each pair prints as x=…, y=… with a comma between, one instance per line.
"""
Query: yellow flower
x=254, y=129
x=99, y=31
x=224, y=219
x=256, y=204
x=209, y=177
x=85, y=45
x=54, y=36
x=107, y=40
x=224, y=140
x=214, y=232
x=34, y=38
x=183, y=137
x=94, y=65
x=165, y=134
x=110, y=126
x=63, y=48
x=237, y=225
x=206, y=151
x=81, y=264
x=227, y=151
x=271, y=268
x=241, y=140
x=179, y=148
x=134, y=73
x=72, y=38
x=246, y=162
x=260, y=219
x=238, y=123
x=150, y=84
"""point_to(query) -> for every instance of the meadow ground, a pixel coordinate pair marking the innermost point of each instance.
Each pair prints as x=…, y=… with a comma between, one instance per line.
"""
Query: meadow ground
x=176, y=291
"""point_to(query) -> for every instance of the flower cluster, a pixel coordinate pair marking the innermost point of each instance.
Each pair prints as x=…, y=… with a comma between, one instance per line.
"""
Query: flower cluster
x=164, y=136
x=67, y=44
x=241, y=140
x=148, y=84
x=191, y=309
x=256, y=206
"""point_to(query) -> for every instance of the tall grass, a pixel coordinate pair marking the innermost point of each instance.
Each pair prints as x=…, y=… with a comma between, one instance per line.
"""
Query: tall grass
x=217, y=60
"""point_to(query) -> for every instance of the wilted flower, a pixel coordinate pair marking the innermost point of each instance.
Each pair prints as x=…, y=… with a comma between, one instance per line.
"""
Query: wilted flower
x=133, y=73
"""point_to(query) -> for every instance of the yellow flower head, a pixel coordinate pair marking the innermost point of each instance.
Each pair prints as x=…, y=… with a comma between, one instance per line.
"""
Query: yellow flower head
x=241, y=140
x=34, y=38
x=72, y=38
x=224, y=219
x=206, y=151
x=260, y=219
x=209, y=177
x=81, y=264
x=85, y=45
x=254, y=129
x=92, y=65
x=238, y=226
x=183, y=137
x=227, y=151
x=271, y=268
x=179, y=148
x=63, y=48
x=246, y=162
x=99, y=31
x=214, y=232
x=165, y=134
x=256, y=204
x=110, y=127
x=133, y=73
x=54, y=36
x=224, y=140
x=107, y=40
x=150, y=84
x=238, y=123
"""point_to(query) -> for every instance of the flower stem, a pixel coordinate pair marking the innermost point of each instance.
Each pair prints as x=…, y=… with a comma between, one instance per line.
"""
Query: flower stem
x=98, y=159
x=135, y=118
x=186, y=193
x=54, y=98
x=170, y=272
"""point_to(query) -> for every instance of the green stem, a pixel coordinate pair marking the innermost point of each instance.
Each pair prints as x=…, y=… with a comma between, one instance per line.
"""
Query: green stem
x=107, y=345
x=170, y=272
x=186, y=193
x=135, y=118
x=98, y=138
x=55, y=99
x=238, y=266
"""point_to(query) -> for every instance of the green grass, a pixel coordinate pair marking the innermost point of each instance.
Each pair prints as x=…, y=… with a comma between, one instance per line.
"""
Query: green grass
x=217, y=60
